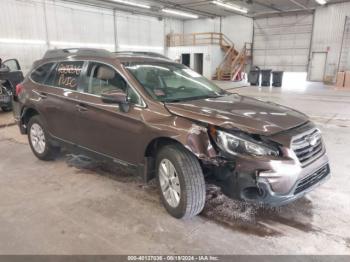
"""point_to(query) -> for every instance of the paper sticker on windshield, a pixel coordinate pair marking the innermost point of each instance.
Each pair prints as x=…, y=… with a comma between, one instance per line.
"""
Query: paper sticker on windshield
x=191, y=73
x=159, y=92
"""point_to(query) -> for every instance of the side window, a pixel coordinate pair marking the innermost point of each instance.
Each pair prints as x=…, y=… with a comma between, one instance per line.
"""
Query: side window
x=67, y=74
x=12, y=64
x=40, y=74
x=101, y=78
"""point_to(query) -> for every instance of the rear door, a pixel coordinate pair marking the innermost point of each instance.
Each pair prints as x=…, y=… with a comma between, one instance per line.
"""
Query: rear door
x=58, y=99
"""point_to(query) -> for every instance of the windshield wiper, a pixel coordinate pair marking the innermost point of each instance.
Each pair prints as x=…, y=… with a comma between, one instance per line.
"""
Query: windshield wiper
x=177, y=100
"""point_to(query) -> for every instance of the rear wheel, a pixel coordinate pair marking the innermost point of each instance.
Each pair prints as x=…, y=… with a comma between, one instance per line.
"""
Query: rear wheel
x=181, y=182
x=38, y=140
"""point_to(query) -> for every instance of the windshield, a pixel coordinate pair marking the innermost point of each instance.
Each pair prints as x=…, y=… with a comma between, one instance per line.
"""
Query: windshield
x=170, y=82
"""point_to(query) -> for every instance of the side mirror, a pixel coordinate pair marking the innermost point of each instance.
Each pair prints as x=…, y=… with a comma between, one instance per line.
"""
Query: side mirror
x=117, y=97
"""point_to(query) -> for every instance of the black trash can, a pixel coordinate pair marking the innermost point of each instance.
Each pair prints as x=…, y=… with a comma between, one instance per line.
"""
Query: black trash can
x=254, y=77
x=266, y=77
x=277, y=78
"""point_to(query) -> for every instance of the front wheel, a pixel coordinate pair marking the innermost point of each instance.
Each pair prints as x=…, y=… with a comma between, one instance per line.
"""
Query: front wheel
x=38, y=140
x=181, y=181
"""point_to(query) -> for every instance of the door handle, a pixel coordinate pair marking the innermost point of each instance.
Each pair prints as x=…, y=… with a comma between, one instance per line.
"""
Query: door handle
x=81, y=108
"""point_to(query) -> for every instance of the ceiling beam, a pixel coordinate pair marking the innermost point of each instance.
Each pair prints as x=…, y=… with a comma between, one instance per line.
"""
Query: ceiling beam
x=270, y=6
x=170, y=4
x=299, y=4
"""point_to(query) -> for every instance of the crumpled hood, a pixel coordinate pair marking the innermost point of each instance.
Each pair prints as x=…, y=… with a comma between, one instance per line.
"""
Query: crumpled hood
x=240, y=112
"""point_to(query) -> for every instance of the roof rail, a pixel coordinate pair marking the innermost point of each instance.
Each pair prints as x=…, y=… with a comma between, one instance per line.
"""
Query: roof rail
x=137, y=53
x=63, y=53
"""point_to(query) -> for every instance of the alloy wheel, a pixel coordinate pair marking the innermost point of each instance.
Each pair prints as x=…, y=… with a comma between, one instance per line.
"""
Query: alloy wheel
x=169, y=183
x=37, y=138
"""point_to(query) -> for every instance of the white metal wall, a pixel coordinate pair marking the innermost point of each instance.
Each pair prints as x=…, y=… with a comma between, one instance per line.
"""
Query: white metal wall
x=283, y=43
x=202, y=26
x=328, y=34
x=239, y=29
x=72, y=25
x=22, y=31
x=29, y=28
x=140, y=33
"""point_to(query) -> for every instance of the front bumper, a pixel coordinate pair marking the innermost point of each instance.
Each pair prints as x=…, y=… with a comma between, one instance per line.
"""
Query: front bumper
x=5, y=100
x=274, y=182
x=300, y=188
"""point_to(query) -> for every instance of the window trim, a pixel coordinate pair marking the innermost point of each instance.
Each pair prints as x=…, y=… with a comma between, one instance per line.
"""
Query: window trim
x=142, y=103
x=83, y=75
x=49, y=72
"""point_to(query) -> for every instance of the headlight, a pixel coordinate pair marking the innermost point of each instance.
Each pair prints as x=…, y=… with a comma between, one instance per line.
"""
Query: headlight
x=237, y=145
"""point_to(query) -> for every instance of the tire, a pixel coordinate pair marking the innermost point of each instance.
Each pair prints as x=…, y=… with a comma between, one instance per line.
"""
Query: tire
x=47, y=152
x=6, y=109
x=188, y=174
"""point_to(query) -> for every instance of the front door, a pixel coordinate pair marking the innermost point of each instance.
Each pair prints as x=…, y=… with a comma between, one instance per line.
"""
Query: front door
x=317, y=66
x=106, y=128
x=10, y=76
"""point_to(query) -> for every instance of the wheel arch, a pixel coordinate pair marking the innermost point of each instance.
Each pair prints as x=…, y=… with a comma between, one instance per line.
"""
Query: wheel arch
x=150, y=154
x=26, y=114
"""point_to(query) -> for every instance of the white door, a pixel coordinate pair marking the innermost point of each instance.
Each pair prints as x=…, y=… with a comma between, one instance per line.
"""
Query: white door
x=283, y=42
x=317, y=66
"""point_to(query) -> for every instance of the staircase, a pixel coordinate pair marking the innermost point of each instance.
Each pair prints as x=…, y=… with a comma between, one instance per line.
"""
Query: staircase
x=234, y=61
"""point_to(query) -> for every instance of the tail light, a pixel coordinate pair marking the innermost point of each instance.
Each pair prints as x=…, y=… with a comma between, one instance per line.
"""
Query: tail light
x=19, y=89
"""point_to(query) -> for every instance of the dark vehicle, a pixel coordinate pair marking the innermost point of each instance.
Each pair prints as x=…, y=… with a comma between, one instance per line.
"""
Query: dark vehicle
x=10, y=76
x=164, y=121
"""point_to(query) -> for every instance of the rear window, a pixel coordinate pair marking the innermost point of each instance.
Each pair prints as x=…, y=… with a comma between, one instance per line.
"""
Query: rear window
x=40, y=74
x=67, y=74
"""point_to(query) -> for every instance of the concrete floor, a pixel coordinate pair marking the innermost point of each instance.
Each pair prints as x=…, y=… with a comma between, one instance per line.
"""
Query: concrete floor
x=72, y=206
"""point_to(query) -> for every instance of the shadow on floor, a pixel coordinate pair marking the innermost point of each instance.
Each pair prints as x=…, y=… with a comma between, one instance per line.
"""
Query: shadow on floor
x=248, y=218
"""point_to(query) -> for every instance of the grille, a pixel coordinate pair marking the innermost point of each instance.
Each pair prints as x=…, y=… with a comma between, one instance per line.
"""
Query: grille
x=313, y=179
x=308, y=146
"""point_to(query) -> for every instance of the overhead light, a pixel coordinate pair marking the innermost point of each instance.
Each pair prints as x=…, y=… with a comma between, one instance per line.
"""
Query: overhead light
x=132, y=3
x=231, y=6
x=321, y=2
x=180, y=13
x=22, y=41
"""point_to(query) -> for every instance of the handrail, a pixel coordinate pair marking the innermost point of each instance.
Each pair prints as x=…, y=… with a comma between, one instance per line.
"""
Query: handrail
x=224, y=61
x=232, y=58
x=198, y=39
x=241, y=56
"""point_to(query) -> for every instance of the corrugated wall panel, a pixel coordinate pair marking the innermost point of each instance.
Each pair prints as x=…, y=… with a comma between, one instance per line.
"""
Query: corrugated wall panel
x=140, y=33
x=71, y=25
x=173, y=26
x=202, y=26
x=328, y=34
x=22, y=31
x=24, y=34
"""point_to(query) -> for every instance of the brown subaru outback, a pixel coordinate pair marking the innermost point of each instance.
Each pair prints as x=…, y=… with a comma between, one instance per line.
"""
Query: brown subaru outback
x=162, y=120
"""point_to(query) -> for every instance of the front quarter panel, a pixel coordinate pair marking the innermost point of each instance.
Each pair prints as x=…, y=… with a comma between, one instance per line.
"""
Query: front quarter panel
x=193, y=136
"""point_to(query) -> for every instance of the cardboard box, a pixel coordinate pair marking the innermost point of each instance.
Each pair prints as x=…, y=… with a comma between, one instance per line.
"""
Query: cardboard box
x=340, y=80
